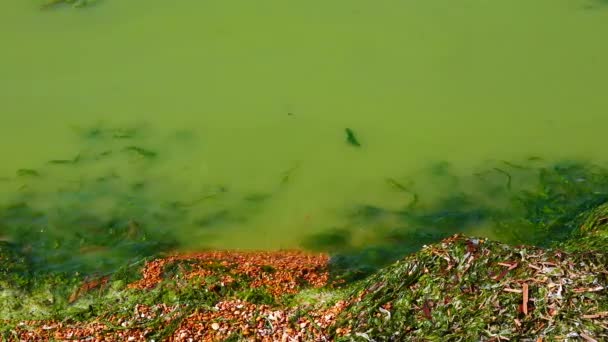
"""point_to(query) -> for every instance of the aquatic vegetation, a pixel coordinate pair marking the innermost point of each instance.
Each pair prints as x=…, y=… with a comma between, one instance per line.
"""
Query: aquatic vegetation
x=72, y=161
x=106, y=207
x=74, y=3
x=405, y=189
x=334, y=240
x=595, y=4
x=461, y=288
x=526, y=202
x=141, y=151
x=28, y=173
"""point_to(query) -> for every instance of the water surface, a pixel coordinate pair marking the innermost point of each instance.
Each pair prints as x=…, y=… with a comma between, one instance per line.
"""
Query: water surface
x=250, y=100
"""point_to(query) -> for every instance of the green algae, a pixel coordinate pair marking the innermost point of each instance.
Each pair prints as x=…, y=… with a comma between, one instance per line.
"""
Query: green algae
x=533, y=202
x=592, y=233
x=28, y=173
x=141, y=151
x=91, y=214
x=72, y=161
x=48, y=4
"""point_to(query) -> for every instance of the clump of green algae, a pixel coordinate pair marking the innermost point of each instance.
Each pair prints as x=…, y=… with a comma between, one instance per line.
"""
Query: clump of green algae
x=539, y=203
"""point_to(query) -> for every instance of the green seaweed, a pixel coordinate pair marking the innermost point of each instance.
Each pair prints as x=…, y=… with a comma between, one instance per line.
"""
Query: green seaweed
x=405, y=189
x=141, y=151
x=509, y=179
x=73, y=161
x=538, y=204
x=28, y=173
x=102, y=132
x=257, y=197
x=74, y=3
x=214, y=218
x=328, y=241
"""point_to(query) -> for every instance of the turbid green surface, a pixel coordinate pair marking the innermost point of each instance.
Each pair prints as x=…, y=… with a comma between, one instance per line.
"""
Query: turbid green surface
x=254, y=97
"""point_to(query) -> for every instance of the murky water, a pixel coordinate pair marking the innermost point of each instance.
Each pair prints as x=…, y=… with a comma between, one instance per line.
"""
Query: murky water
x=246, y=102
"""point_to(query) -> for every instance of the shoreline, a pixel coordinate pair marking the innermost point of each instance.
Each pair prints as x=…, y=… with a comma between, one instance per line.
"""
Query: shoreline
x=460, y=288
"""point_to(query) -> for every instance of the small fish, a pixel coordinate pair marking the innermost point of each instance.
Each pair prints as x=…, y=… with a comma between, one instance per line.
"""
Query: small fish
x=351, y=138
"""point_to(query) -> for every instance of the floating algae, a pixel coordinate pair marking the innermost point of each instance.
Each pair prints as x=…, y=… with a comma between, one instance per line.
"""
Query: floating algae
x=101, y=209
x=538, y=205
x=141, y=151
x=405, y=189
x=72, y=161
x=28, y=173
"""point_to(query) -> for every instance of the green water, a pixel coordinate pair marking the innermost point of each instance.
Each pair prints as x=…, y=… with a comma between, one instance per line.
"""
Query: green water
x=250, y=100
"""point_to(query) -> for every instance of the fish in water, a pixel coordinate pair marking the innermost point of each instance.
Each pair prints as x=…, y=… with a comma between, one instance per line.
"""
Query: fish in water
x=351, y=138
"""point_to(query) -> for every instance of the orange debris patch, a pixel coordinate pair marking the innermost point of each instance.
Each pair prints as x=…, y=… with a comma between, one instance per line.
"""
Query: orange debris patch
x=258, y=323
x=281, y=272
